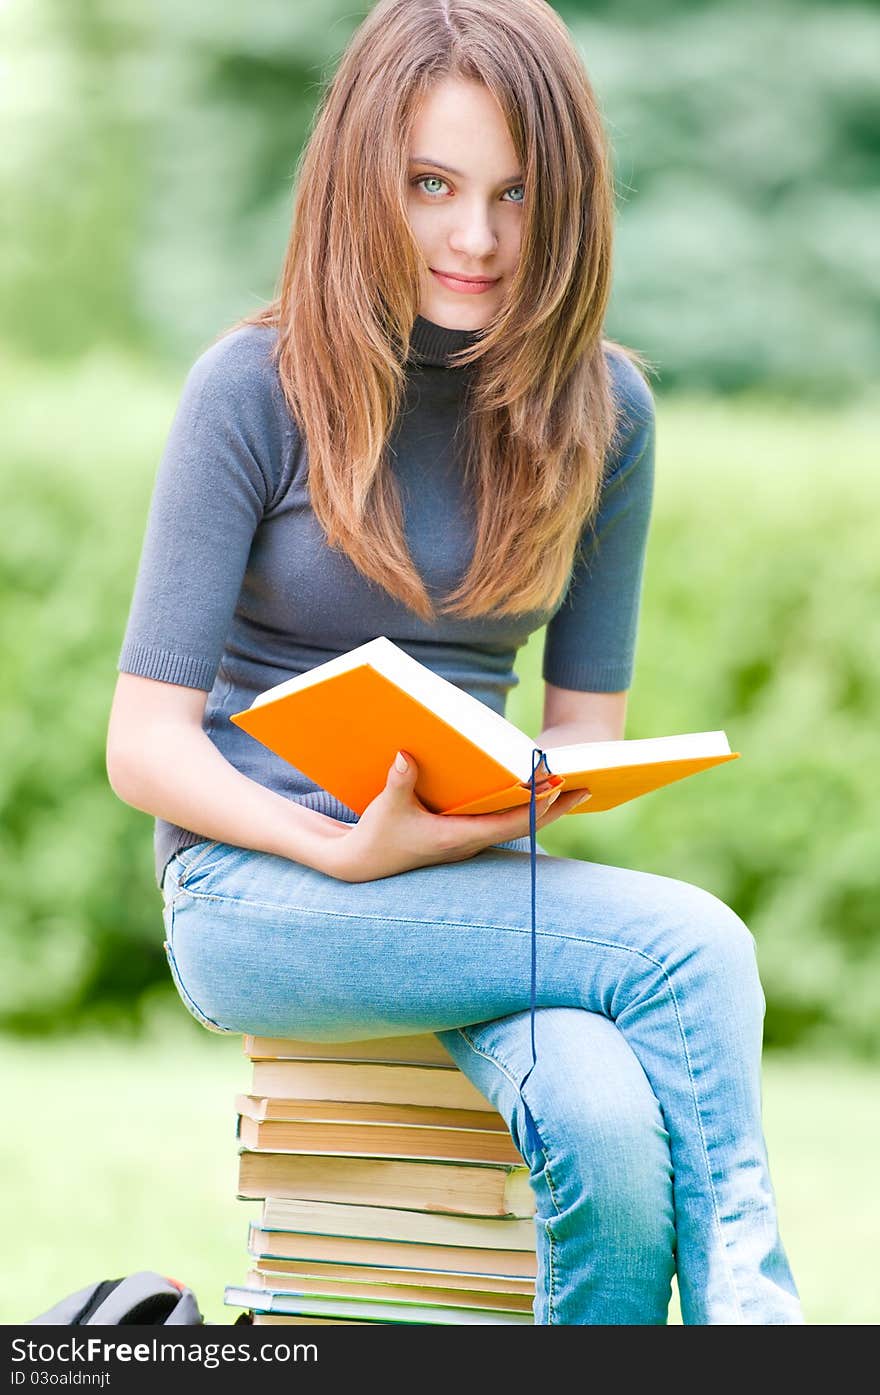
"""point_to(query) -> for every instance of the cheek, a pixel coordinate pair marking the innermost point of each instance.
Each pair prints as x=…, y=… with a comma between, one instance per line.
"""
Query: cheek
x=513, y=241
x=420, y=225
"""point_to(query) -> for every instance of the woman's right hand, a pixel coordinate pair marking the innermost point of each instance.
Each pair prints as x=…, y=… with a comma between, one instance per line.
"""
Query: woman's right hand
x=397, y=833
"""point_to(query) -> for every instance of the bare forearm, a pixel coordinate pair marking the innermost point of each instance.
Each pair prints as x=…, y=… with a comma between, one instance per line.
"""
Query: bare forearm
x=180, y=776
x=570, y=733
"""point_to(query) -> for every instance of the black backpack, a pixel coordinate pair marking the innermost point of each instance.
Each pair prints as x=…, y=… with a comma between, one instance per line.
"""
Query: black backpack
x=142, y=1298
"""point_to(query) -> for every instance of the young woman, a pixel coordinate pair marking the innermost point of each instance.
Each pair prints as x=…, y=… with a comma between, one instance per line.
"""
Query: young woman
x=426, y=436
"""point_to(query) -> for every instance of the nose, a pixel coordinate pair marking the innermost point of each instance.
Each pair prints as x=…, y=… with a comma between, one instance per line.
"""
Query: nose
x=472, y=235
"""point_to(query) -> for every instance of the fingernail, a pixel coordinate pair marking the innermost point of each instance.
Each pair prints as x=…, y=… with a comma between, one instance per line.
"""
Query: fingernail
x=400, y=763
x=586, y=799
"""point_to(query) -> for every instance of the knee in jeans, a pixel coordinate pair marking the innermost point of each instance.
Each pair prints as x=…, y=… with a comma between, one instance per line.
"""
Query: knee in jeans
x=603, y=1136
x=613, y=1162
x=707, y=925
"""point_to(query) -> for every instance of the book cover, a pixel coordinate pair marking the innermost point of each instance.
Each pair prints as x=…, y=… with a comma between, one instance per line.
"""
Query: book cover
x=341, y=723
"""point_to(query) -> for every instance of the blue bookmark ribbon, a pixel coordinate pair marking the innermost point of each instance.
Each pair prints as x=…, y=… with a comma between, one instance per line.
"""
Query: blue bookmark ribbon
x=531, y=1132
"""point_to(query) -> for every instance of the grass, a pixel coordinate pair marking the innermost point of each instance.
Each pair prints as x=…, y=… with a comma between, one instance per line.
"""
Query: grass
x=122, y=1156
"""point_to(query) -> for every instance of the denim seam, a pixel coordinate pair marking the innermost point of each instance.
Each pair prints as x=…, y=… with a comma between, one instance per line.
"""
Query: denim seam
x=706, y=1161
x=187, y=868
x=176, y=975
x=551, y=1239
x=683, y=1035
x=409, y=920
x=545, y=934
x=209, y=847
x=199, y=1013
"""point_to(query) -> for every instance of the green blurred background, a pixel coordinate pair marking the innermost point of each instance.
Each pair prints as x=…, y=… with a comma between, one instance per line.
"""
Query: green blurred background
x=146, y=187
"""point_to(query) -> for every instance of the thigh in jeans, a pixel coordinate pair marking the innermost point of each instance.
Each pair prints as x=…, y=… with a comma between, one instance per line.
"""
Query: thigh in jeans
x=209, y=884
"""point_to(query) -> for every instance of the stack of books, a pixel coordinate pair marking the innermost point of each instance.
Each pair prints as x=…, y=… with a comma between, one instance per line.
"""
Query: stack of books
x=391, y=1189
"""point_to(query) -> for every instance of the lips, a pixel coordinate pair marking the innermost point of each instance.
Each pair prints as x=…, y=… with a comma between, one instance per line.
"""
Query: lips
x=471, y=280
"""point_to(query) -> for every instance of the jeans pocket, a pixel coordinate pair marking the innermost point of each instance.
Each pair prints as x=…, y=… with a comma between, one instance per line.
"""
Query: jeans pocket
x=192, y=863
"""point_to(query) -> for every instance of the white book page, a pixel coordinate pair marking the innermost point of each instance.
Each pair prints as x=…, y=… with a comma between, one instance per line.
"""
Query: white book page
x=474, y=719
x=608, y=755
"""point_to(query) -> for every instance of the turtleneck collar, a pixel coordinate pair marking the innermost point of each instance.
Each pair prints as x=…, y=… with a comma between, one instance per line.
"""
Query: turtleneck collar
x=434, y=344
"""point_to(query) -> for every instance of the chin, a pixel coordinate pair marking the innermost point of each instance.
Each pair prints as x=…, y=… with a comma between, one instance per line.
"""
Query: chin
x=457, y=316
x=438, y=317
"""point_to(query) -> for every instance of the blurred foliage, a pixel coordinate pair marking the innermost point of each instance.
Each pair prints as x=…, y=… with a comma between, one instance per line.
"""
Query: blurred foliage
x=147, y=187
x=761, y=615
x=146, y=182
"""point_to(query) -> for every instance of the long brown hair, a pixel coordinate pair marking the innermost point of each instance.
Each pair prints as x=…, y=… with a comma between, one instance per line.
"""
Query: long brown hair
x=540, y=409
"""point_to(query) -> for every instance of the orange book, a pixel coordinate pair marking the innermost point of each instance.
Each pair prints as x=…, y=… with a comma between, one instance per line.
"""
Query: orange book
x=341, y=722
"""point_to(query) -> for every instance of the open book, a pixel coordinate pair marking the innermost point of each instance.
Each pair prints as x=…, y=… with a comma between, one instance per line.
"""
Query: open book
x=342, y=722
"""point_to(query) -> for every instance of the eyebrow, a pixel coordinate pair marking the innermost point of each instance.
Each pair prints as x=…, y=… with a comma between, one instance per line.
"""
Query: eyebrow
x=438, y=164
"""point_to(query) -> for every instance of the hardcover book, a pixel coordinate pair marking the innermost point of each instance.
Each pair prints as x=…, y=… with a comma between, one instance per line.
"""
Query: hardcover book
x=322, y=1285
x=342, y=722
x=422, y=1277
x=516, y=1264
x=368, y=1081
x=470, y=1189
x=271, y=1301
x=389, y=1223
x=377, y=1140
x=424, y=1049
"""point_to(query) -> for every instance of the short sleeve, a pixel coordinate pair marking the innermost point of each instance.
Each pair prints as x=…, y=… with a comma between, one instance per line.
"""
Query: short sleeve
x=590, y=641
x=214, y=482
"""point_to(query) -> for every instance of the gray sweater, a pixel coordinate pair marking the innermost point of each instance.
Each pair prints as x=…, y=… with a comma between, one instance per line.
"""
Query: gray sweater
x=236, y=589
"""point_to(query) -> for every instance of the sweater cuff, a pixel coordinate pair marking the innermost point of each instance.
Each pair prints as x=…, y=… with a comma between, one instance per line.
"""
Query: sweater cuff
x=149, y=662
x=589, y=678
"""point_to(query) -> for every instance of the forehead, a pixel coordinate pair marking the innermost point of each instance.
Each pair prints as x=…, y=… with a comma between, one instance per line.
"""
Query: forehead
x=460, y=123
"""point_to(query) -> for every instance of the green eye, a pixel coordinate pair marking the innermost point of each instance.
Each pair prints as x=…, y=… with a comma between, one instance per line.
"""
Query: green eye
x=424, y=179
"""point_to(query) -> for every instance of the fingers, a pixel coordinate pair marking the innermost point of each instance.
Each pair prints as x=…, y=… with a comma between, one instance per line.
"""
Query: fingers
x=504, y=824
x=545, y=808
x=565, y=803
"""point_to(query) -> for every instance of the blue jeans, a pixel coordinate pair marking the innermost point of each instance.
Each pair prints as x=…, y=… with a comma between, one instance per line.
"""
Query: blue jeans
x=646, y=1095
